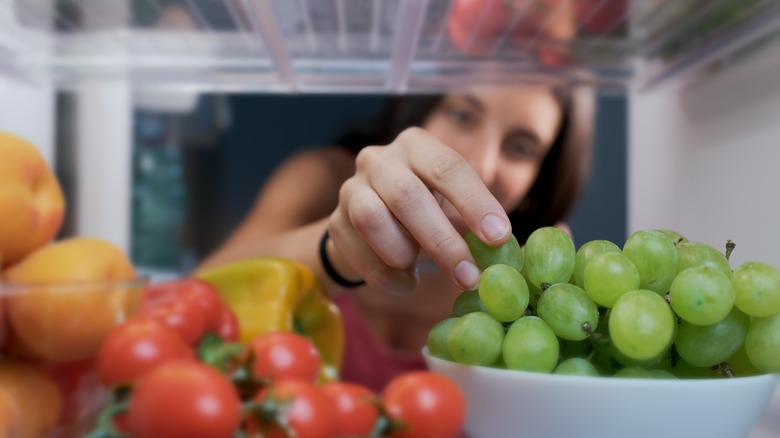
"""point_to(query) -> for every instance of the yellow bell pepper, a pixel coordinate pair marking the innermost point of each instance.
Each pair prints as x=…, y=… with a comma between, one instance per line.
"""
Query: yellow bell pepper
x=277, y=294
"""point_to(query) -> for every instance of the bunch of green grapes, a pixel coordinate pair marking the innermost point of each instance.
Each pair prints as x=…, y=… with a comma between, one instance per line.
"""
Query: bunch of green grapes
x=659, y=307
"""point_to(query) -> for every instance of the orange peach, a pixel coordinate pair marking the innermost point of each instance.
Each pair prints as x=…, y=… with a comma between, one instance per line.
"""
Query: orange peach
x=34, y=393
x=31, y=199
x=3, y=328
x=65, y=297
x=10, y=419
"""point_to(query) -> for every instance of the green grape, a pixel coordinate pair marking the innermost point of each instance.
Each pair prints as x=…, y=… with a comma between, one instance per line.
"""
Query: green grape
x=530, y=345
x=576, y=366
x=633, y=373
x=603, y=360
x=691, y=254
x=740, y=364
x=762, y=343
x=683, y=370
x=706, y=346
x=661, y=374
x=586, y=253
x=757, y=286
x=467, y=302
x=475, y=339
x=571, y=349
x=533, y=291
x=608, y=276
x=601, y=351
x=485, y=255
x=674, y=236
x=655, y=256
x=437, y=338
x=641, y=324
x=499, y=363
x=549, y=256
x=627, y=361
x=503, y=292
x=566, y=308
x=702, y=295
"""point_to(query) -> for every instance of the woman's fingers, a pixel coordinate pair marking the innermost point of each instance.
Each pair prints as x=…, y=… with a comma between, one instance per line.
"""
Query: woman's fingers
x=446, y=172
x=395, y=205
x=374, y=222
x=371, y=241
x=406, y=185
x=364, y=260
x=416, y=208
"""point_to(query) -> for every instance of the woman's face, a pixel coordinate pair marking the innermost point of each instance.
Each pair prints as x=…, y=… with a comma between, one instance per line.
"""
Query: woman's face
x=504, y=132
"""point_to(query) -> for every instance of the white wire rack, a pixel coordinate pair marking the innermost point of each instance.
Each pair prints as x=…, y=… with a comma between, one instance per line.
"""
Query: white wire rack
x=372, y=45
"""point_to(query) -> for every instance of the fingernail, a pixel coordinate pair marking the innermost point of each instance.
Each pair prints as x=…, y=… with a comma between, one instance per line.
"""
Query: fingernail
x=494, y=228
x=467, y=275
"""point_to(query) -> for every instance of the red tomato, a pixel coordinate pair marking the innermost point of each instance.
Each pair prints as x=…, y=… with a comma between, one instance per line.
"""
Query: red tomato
x=427, y=405
x=301, y=405
x=475, y=25
x=79, y=387
x=283, y=356
x=120, y=422
x=184, y=399
x=200, y=292
x=229, y=327
x=605, y=18
x=356, y=408
x=546, y=28
x=135, y=347
x=185, y=317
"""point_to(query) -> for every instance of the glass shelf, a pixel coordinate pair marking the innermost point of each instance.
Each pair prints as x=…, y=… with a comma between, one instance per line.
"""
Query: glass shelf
x=372, y=46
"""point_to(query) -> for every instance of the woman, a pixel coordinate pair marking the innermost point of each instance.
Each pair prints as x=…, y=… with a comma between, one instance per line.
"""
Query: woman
x=494, y=159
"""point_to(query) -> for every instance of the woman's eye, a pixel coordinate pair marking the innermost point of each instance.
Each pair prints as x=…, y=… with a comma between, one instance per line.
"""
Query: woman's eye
x=461, y=116
x=520, y=149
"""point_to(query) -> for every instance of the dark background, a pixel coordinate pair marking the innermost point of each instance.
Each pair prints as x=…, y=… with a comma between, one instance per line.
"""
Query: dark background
x=206, y=167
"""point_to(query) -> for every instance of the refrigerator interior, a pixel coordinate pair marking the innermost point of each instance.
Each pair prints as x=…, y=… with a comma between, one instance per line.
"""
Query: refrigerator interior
x=115, y=57
x=699, y=75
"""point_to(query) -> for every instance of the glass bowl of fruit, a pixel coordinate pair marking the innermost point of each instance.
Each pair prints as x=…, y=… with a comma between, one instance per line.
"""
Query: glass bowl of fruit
x=57, y=305
x=662, y=337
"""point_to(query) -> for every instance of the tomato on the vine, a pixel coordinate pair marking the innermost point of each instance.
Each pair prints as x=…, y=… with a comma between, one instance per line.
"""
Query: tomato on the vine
x=300, y=409
x=283, y=355
x=137, y=346
x=203, y=294
x=229, y=327
x=424, y=405
x=356, y=408
x=185, y=317
x=183, y=399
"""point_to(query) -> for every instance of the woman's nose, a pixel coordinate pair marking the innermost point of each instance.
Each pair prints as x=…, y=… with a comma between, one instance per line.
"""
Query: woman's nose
x=485, y=160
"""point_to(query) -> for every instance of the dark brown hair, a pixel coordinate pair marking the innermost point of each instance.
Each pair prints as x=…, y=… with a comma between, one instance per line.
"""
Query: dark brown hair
x=563, y=171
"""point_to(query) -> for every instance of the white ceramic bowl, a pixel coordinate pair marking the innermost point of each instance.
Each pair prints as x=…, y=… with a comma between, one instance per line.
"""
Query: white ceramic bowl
x=504, y=403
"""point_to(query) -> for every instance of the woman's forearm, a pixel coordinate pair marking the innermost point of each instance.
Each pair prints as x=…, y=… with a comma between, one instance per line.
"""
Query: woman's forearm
x=299, y=244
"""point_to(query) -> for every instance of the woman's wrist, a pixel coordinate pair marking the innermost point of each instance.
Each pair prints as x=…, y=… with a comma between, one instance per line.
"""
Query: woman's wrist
x=328, y=267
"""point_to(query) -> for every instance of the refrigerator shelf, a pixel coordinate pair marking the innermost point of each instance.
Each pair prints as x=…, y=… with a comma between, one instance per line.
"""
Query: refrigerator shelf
x=372, y=46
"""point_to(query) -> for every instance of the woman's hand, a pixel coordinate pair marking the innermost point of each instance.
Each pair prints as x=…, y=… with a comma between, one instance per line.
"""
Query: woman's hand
x=397, y=204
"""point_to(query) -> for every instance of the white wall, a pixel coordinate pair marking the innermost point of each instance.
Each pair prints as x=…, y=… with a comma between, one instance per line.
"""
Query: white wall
x=706, y=160
x=28, y=111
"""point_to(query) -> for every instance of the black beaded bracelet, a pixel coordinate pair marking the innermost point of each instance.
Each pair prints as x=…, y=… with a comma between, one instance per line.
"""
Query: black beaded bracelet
x=329, y=267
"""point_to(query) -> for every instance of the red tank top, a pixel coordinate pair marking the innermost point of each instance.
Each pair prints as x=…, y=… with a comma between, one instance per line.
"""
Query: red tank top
x=366, y=360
